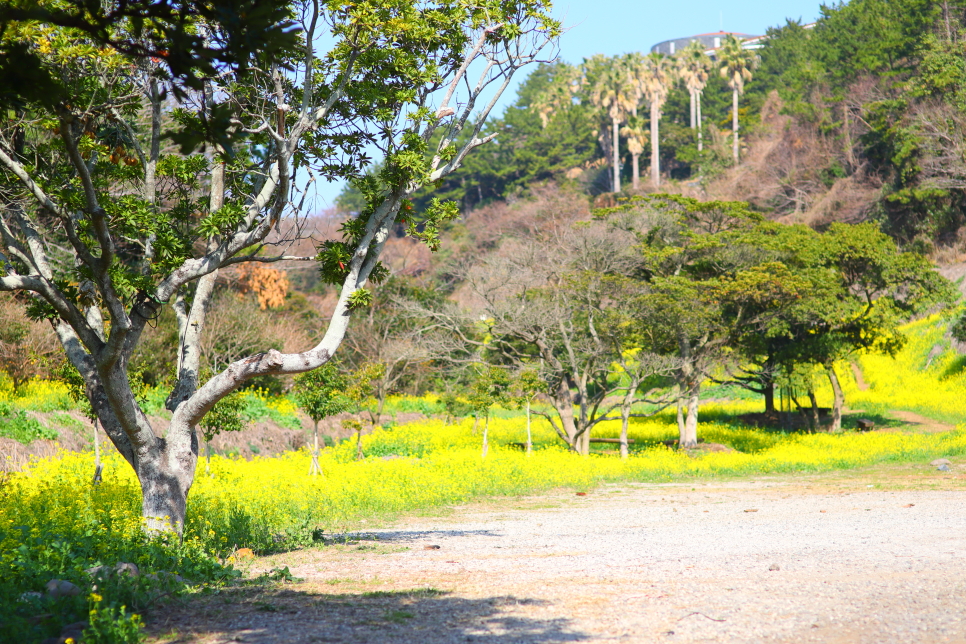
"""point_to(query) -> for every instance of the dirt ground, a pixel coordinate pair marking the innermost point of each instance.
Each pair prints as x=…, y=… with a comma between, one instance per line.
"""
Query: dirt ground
x=868, y=556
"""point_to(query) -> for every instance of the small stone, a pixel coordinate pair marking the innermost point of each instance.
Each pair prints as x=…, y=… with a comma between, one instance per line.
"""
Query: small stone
x=752, y=510
x=943, y=468
x=127, y=569
x=164, y=576
x=941, y=461
x=581, y=494
x=432, y=547
x=909, y=505
x=100, y=571
x=74, y=631
x=774, y=567
x=57, y=588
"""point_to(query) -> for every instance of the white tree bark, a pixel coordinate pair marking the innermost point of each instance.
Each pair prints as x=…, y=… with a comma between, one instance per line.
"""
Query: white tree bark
x=616, y=161
x=700, y=124
x=655, y=144
x=734, y=123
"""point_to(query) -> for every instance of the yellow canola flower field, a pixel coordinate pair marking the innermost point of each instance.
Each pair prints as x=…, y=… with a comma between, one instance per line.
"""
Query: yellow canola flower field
x=271, y=503
x=927, y=376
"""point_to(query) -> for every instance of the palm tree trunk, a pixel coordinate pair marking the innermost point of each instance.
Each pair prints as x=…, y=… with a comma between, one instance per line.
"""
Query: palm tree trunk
x=617, y=167
x=655, y=146
x=635, y=163
x=734, y=122
x=694, y=111
x=700, y=123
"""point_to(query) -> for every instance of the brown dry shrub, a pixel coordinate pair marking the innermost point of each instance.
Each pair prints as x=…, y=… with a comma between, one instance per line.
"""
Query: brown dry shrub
x=28, y=349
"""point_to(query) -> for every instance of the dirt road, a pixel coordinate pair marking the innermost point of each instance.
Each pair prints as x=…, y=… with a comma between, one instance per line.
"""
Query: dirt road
x=778, y=559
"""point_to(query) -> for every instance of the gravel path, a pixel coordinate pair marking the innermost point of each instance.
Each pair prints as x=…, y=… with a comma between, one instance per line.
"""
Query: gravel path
x=774, y=560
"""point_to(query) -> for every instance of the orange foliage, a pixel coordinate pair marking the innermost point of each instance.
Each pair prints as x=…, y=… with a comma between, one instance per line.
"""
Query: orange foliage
x=269, y=285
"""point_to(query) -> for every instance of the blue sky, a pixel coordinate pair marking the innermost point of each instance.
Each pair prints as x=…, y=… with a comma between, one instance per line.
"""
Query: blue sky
x=615, y=27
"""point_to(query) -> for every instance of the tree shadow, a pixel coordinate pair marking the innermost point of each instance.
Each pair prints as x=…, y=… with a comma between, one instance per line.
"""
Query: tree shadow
x=403, y=536
x=297, y=614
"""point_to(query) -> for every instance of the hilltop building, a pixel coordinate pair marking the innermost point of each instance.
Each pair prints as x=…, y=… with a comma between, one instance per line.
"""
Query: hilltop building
x=710, y=41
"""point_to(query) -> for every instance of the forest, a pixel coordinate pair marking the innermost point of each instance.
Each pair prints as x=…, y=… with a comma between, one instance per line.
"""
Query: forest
x=647, y=267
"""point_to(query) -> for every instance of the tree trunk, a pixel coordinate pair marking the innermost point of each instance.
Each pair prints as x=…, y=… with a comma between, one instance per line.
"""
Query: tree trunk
x=529, y=437
x=617, y=165
x=166, y=476
x=486, y=435
x=625, y=421
x=770, y=398
x=816, y=420
x=655, y=145
x=689, y=437
x=635, y=165
x=359, y=454
x=680, y=411
x=694, y=110
x=563, y=402
x=700, y=124
x=207, y=457
x=583, y=443
x=98, y=466
x=314, y=468
x=838, y=400
x=734, y=123
x=801, y=410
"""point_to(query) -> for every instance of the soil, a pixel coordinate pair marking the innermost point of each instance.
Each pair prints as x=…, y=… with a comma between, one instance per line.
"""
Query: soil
x=859, y=557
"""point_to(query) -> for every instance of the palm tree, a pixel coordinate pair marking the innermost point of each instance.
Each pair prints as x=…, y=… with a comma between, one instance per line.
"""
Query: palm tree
x=612, y=91
x=737, y=64
x=558, y=95
x=654, y=75
x=636, y=136
x=693, y=67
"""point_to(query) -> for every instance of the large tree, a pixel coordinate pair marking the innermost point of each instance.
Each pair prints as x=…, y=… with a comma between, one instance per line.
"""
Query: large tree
x=708, y=281
x=102, y=225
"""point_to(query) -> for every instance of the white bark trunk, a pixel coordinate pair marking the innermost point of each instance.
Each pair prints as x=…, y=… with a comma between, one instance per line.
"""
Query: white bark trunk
x=694, y=110
x=700, y=124
x=734, y=123
x=625, y=422
x=617, y=163
x=636, y=168
x=689, y=437
x=655, y=145
x=314, y=468
x=486, y=434
x=529, y=436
